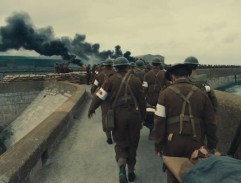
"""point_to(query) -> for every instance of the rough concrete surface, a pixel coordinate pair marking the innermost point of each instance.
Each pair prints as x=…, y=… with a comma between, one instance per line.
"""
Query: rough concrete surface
x=85, y=157
x=43, y=105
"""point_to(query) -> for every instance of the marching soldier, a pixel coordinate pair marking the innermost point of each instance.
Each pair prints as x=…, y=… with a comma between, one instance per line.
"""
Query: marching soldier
x=127, y=100
x=200, y=80
x=139, y=70
x=100, y=78
x=184, y=116
x=154, y=81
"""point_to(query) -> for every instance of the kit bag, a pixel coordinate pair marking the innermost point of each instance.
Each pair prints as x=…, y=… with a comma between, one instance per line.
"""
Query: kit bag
x=110, y=116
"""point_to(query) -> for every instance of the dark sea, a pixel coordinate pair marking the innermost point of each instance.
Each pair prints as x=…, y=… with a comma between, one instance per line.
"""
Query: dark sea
x=234, y=89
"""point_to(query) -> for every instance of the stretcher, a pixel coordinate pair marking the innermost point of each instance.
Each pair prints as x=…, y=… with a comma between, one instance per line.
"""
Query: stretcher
x=209, y=170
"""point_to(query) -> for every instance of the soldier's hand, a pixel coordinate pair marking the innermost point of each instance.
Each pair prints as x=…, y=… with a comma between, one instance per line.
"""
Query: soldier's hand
x=90, y=113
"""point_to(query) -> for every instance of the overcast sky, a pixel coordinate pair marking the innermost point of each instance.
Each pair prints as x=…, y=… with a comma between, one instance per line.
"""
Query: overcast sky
x=209, y=30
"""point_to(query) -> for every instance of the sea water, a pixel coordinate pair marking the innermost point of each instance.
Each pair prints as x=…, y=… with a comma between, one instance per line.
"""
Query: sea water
x=234, y=89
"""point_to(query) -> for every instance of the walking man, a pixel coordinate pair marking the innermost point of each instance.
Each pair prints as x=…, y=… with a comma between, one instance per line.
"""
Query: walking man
x=99, y=80
x=127, y=100
x=184, y=116
x=154, y=81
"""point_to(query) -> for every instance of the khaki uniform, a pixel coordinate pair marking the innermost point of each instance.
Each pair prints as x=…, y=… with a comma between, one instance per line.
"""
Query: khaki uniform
x=100, y=79
x=153, y=82
x=128, y=116
x=200, y=80
x=139, y=72
x=179, y=138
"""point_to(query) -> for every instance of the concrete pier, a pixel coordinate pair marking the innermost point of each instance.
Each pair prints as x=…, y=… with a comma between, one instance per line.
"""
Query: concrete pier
x=85, y=157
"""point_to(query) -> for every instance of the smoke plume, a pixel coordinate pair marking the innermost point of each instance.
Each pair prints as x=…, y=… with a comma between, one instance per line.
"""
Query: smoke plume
x=19, y=33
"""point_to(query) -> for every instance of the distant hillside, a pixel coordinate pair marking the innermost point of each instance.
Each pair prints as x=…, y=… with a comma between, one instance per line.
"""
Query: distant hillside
x=149, y=57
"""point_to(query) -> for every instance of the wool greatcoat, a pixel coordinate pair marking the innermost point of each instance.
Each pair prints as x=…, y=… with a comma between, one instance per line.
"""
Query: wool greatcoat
x=128, y=116
x=176, y=139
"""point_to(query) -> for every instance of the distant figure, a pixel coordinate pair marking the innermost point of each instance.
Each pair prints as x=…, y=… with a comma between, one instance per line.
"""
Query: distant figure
x=184, y=116
x=139, y=70
x=154, y=81
x=88, y=74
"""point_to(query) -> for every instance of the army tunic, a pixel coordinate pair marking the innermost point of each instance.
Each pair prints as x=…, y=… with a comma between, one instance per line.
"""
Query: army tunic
x=153, y=81
x=100, y=79
x=167, y=134
x=170, y=105
x=200, y=80
x=128, y=117
x=139, y=72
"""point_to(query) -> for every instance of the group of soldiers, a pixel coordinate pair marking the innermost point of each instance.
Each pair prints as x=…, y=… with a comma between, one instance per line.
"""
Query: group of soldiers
x=177, y=105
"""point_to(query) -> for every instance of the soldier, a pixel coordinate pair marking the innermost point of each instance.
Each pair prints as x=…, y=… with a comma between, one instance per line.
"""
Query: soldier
x=131, y=67
x=139, y=70
x=100, y=78
x=200, y=80
x=126, y=98
x=88, y=74
x=154, y=81
x=184, y=115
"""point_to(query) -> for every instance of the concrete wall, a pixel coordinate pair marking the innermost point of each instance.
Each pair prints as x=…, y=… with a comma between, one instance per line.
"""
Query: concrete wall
x=228, y=119
x=221, y=77
x=15, y=97
x=33, y=149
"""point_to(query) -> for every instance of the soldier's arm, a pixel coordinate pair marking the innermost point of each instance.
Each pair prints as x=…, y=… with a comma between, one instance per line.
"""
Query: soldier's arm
x=160, y=125
x=145, y=85
x=141, y=100
x=100, y=96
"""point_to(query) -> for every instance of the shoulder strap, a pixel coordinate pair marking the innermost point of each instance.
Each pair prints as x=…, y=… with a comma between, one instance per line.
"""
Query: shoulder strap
x=131, y=92
x=157, y=82
x=186, y=101
x=118, y=92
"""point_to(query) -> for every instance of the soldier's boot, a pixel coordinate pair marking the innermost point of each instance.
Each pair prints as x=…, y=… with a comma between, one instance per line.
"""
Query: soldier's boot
x=109, y=139
x=150, y=136
x=131, y=176
x=122, y=174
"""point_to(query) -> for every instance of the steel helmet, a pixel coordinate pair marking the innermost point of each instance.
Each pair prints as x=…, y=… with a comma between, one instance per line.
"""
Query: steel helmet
x=108, y=62
x=191, y=60
x=121, y=61
x=139, y=63
x=157, y=60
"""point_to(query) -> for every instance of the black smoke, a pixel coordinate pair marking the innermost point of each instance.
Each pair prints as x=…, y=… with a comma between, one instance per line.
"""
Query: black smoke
x=20, y=32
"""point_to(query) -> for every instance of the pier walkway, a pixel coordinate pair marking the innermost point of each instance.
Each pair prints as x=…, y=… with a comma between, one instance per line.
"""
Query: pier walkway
x=85, y=157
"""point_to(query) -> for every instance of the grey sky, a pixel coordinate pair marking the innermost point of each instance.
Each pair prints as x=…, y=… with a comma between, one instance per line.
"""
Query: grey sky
x=176, y=29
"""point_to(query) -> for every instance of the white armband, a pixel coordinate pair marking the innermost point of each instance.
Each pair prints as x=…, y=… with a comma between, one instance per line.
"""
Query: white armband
x=207, y=88
x=96, y=83
x=145, y=84
x=160, y=111
x=102, y=94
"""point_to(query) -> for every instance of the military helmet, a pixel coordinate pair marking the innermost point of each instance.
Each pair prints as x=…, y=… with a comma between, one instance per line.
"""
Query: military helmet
x=175, y=67
x=191, y=60
x=157, y=60
x=121, y=61
x=108, y=62
x=139, y=63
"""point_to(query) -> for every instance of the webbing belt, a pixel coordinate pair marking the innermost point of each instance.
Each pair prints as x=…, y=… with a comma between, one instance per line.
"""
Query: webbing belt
x=182, y=117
